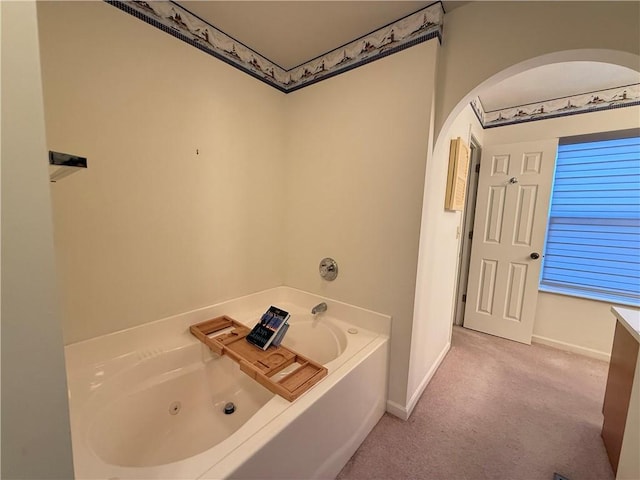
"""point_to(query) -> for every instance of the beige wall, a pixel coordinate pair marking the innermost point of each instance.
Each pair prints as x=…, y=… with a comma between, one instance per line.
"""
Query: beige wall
x=356, y=159
x=153, y=228
x=437, y=268
x=487, y=39
x=584, y=326
x=574, y=324
x=36, y=440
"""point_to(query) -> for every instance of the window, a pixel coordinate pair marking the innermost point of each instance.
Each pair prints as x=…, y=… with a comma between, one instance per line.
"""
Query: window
x=593, y=237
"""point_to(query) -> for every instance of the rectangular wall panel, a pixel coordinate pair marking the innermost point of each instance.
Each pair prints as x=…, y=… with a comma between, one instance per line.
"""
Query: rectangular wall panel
x=495, y=214
x=516, y=282
x=500, y=165
x=487, y=286
x=525, y=215
x=531, y=162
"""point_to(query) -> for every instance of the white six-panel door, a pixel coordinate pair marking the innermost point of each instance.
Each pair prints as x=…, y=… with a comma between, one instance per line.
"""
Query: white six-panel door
x=508, y=237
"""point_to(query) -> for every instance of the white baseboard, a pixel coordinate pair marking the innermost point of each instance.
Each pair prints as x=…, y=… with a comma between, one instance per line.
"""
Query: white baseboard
x=404, y=412
x=397, y=410
x=570, y=347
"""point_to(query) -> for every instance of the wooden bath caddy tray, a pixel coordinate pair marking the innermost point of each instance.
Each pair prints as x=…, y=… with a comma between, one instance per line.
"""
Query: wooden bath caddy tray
x=261, y=365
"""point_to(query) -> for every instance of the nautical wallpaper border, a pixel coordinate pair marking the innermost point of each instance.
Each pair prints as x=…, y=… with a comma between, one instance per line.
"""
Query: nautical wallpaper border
x=418, y=27
x=175, y=20
x=617, y=97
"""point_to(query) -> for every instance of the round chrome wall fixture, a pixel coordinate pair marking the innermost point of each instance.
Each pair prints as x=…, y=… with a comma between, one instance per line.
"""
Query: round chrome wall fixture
x=328, y=269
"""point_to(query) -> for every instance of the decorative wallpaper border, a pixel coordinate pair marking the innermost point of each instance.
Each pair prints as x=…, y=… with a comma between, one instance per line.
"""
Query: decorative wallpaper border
x=624, y=96
x=175, y=20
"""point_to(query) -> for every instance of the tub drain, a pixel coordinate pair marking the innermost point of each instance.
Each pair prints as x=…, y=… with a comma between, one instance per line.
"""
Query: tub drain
x=229, y=408
x=174, y=408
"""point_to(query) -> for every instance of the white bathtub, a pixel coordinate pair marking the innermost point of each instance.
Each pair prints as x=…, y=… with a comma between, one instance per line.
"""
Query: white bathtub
x=148, y=402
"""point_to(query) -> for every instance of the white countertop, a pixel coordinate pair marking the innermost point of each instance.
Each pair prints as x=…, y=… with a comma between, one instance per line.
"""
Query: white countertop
x=630, y=318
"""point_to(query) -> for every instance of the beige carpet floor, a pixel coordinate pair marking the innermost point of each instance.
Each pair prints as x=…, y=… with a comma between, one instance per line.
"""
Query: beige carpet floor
x=499, y=410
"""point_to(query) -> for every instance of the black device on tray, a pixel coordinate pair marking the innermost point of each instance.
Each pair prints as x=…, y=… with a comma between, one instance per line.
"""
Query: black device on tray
x=267, y=329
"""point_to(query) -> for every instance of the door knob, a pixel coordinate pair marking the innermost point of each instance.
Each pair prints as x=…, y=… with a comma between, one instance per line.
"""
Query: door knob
x=535, y=255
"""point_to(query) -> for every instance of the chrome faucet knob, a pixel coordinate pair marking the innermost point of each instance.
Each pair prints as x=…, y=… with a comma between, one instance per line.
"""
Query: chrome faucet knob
x=328, y=269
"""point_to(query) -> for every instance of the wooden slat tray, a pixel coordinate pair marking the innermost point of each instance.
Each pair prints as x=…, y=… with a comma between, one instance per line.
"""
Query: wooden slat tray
x=261, y=365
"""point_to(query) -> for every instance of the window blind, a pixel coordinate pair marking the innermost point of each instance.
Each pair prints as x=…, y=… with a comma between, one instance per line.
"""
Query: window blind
x=593, y=237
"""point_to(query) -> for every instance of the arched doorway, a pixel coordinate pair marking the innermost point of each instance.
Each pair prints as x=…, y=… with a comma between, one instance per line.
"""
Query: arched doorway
x=437, y=272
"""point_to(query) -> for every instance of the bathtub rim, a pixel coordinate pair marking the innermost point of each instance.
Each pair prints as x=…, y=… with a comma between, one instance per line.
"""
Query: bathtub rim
x=92, y=350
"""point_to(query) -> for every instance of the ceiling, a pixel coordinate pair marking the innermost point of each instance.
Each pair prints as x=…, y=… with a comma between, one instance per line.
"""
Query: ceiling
x=554, y=81
x=290, y=33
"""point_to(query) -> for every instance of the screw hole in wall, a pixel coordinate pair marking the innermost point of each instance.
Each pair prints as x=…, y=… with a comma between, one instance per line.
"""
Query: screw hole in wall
x=174, y=408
